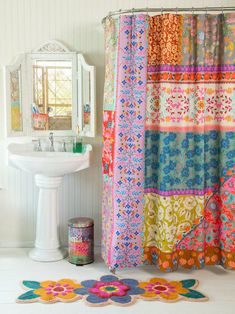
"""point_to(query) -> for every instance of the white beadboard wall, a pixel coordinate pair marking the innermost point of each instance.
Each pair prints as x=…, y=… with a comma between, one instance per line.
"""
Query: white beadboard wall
x=23, y=25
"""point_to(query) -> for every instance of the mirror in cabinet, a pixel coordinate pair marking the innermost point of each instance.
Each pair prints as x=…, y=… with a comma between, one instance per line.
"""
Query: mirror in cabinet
x=50, y=89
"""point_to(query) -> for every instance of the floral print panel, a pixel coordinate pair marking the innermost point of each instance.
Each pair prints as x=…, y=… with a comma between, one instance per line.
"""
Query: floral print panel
x=169, y=141
x=170, y=105
x=111, y=31
x=170, y=217
x=165, y=39
x=190, y=142
x=187, y=161
x=123, y=134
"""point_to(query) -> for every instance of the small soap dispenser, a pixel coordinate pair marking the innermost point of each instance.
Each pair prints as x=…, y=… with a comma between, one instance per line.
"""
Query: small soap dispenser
x=77, y=144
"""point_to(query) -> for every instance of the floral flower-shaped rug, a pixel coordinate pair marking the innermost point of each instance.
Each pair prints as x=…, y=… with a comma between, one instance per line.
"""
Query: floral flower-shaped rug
x=110, y=290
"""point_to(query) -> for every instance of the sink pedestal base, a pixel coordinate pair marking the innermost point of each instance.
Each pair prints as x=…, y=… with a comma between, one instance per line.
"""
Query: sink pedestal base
x=42, y=255
x=47, y=246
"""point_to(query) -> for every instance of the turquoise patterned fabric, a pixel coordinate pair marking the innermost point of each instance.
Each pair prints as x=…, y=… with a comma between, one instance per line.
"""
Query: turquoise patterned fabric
x=187, y=160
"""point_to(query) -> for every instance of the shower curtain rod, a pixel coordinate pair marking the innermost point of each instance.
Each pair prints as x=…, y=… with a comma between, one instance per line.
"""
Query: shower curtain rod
x=147, y=10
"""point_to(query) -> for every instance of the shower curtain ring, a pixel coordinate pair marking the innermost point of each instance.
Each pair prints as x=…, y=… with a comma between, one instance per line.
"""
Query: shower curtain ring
x=161, y=11
x=176, y=10
x=132, y=11
x=192, y=10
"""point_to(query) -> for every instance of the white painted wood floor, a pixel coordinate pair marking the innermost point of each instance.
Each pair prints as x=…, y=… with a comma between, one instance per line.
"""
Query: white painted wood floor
x=15, y=265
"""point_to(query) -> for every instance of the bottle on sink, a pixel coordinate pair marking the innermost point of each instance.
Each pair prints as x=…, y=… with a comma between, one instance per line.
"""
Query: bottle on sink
x=77, y=144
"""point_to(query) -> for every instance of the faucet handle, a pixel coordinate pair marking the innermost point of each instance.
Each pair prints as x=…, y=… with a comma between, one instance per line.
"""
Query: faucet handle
x=51, y=135
x=64, y=146
x=37, y=147
x=51, y=139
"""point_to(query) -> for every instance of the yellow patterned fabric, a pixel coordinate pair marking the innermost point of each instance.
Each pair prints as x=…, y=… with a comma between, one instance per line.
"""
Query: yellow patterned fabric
x=168, y=218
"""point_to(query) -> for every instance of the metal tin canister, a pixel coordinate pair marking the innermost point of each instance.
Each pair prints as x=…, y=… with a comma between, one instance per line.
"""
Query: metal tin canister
x=81, y=241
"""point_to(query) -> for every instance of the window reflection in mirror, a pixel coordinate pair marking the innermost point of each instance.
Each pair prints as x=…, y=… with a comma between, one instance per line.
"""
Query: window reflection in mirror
x=16, y=101
x=86, y=100
x=52, y=95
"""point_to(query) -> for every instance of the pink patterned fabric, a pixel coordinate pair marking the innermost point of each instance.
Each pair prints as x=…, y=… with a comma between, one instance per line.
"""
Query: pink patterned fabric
x=128, y=171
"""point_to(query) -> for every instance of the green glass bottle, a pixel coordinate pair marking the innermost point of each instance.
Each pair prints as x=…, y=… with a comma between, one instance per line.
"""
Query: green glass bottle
x=77, y=144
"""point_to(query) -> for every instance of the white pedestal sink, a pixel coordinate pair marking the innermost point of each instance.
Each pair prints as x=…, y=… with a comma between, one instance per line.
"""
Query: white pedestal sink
x=49, y=169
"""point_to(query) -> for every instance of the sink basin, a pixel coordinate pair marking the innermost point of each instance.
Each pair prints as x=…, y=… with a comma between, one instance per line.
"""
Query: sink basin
x=49, y=169
x=50, y=164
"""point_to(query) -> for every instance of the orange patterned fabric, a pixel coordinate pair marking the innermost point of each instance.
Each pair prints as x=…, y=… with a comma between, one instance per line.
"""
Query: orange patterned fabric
x=165, y=39
x=188, y=258
x=184, y=77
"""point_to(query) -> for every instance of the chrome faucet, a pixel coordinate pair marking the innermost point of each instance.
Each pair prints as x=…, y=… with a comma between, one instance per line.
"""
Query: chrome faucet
x=64, y=146
x=51, y=139
x=37, y=147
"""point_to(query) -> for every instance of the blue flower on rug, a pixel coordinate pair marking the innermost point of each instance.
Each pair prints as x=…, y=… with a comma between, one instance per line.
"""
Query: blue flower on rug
x=110, y=289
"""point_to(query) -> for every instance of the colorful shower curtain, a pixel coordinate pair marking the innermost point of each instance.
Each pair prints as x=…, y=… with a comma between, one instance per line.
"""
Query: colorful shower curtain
x=169, y=141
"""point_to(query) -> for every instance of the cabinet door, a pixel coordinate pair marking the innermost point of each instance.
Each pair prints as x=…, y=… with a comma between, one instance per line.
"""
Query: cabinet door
x=86, y=98
x=15, y=97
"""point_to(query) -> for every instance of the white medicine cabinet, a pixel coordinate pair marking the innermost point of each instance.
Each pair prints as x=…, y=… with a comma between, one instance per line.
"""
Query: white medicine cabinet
x=51, y=89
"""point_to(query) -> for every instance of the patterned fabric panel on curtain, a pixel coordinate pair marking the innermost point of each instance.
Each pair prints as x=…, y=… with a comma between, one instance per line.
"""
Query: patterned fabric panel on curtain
x=111, y=38
x=190, y=142
x=123, y=134
x=169, y=141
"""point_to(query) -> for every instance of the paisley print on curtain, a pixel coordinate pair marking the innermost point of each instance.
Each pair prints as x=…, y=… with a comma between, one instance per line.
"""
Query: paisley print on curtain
x=165, y=39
